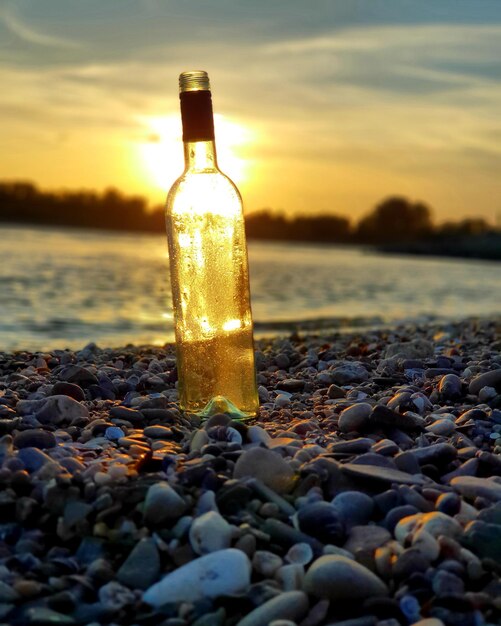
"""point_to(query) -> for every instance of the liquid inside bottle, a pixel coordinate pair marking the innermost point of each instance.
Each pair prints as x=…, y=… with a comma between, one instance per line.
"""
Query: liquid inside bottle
x=210, y=283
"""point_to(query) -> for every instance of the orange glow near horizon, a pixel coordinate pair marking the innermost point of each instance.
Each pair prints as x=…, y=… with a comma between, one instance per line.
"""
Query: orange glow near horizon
x=162, y=155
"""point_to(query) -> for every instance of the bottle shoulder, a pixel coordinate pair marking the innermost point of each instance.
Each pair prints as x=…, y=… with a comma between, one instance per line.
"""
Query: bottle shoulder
x=203, y=188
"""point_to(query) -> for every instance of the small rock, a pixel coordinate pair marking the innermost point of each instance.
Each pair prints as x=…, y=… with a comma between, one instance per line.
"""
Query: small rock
x=339, y=578
x=415, y=349
x=157, y=432
x=321, y=520
x=450, y=386
x=68, y=389
x=210, y=532
x=59, y=409
x=267, y=466
x=442, y=427
x=222, y=573
x=78, y=375
x=142, y=567
x=434, y=523
x=383, y=416
x=291, y=605
x=487, y=379
x=353, y=507
x=35, y=438
x=354, y=417
x=334, y=392
x=162, y=503
x=114, y=433
x=33, y=458
x=266, y=563
x=381, y=474
x=472, y=487
x=300, y=554
x=349, y=373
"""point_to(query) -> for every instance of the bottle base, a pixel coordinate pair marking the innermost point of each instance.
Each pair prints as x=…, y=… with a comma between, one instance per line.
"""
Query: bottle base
x=219, y=404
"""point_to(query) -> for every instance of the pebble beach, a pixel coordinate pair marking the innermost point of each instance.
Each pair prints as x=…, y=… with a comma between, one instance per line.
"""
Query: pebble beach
x=366, y=493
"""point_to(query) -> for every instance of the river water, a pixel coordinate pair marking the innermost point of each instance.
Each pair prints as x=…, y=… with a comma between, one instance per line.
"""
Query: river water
x=64, y=288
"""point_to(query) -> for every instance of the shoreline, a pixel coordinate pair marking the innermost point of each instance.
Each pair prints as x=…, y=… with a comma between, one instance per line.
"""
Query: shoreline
x=114, y=504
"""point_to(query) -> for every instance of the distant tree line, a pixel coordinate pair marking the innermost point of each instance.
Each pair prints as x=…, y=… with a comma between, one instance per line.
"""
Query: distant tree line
x=24, y=203
x=395, y=221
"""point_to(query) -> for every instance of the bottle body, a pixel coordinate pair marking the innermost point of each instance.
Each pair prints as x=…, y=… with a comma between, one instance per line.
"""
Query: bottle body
x=210, y=289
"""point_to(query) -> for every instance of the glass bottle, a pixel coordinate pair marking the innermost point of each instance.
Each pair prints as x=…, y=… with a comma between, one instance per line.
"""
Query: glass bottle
x=209, y=271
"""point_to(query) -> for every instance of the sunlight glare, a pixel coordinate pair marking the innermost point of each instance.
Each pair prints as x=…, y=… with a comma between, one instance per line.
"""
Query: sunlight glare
x=162, y=155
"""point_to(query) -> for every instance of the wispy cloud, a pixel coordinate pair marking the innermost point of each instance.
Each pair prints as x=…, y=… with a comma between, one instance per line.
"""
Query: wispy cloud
x=31, y=35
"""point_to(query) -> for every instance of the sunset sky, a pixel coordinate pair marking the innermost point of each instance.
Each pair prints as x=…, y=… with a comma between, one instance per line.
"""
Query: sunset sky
x=328, y=105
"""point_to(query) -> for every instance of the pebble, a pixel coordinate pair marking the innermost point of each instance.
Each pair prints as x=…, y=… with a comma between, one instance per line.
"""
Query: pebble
x=34, y=459
x=487, y=379
x=210, y=532
x=221, y=573
x=472, y=487
x=340, y=579
x=354, y=417
x=35, y=438
x=129, y=484
x=114, y=433
x=68, y=389
x=267, y=466
x=61, y=409
x=291, y=605
x=142, y=567
x=299, y=553
x=435, y=524
x=162, y=503
x=353, y=507
x=442, y=427
x=381, y=474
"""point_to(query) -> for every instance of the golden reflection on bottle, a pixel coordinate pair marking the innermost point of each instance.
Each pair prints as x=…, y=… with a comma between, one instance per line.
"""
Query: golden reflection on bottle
x=210, y=287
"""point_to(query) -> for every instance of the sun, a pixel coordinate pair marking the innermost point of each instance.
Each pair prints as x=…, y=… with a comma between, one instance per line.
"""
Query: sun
x=161, y=152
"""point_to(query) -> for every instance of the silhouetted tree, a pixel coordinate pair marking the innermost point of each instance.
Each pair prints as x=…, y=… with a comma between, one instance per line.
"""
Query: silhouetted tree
x=395, y=219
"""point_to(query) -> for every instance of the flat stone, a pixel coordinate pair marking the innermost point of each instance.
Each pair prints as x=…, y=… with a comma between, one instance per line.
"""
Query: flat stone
x=291, y=385
x=157, y=432
x=41, y=616
x=222, y=573
x=61, y=409
x=472, y=487
x=35, y=438
x=436, y=453
x=291, y=605
x=381, y=474
x=125, y=413
x=354, y=446
x=340, y=578
x=487, y=379
x=267, y=466
x=142, y=567
x=354, y=417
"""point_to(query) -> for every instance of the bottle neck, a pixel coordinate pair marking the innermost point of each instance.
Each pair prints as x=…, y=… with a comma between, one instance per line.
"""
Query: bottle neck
x=200, y=155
